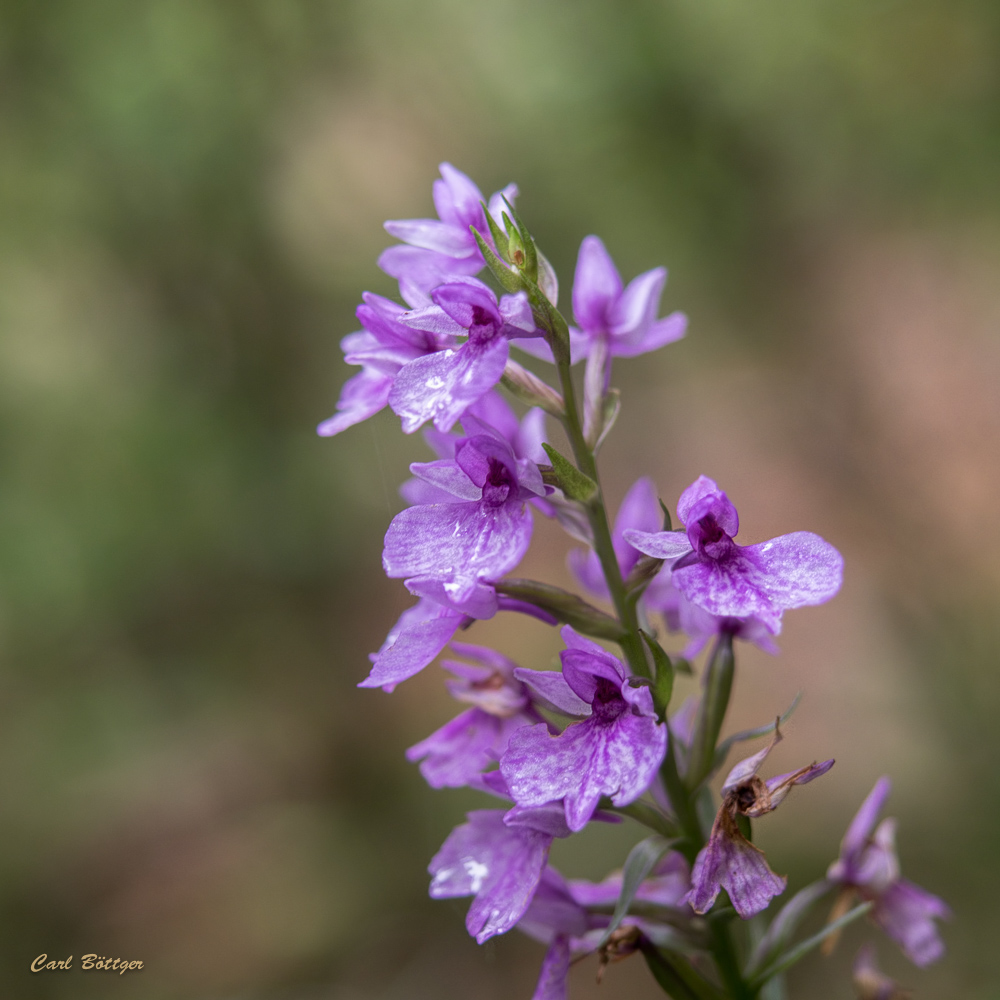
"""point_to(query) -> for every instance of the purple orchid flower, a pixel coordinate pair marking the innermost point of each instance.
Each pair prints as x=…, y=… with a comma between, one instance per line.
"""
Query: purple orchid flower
x=442, y=386
x=640, y=510
x=869, y=866
x=732, y=580
x=383, y=348
x=729, y=861
x=449, y=551
x=623, y=318
x=498, y=864
x=441, y=248
x=459, y=751
x=559, y=916
x=615, y=751
x=525, y=437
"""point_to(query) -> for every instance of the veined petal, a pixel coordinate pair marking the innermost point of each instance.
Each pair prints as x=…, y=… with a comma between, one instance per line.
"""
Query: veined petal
x=555, y=969
x=498, y=864
x=456, y=197
x=360, y=398
x=455, y=754
x=551, y=686
x=420, y=634
x=430, y=234
x=446, y=475
x=440, y=387
x=659, y=544
x=596, y=285
x=729, y=862
x=587, y=760
x=637, y=306
x=458, y=543
x=658, y=334
x=907, y=913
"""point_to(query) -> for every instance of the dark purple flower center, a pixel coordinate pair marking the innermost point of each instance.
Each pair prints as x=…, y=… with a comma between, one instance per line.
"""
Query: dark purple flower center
x=608, y=702
x=498, y=485
x=484, y=325
x=710, y=538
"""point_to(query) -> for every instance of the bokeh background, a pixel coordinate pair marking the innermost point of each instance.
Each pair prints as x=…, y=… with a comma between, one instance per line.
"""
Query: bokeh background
x=192, y=194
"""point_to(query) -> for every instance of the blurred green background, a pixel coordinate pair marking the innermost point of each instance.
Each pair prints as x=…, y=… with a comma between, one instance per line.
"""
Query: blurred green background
x=192, y=194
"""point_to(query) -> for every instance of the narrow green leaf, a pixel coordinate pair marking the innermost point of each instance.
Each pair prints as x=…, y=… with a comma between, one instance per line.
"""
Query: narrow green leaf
x=663, y=681
x=509, y=281
x=779, y=934
x=644, y=813
x=802, y=949
x=678, y=979
x=574, y=484
x=638, y=865
x=499, y=236
x=667, y=525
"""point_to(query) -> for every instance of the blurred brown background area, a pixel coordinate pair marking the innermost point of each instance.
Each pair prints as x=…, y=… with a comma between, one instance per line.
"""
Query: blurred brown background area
x=192, y=195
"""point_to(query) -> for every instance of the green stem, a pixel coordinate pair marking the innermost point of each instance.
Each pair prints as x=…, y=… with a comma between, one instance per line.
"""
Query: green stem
x=630, y=642
x=714, y=702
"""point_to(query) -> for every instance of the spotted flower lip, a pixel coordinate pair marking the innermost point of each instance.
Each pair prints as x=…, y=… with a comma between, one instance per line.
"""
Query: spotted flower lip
x=449, y=551
x=731, y=580
x=615, y=751
x=868, y=865
x=729, y=861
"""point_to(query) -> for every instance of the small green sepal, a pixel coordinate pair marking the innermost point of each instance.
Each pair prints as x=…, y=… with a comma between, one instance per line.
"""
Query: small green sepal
x=663, y=680
x=508, y=280
x=499, y=236
x=574, y=484
x=667, y=525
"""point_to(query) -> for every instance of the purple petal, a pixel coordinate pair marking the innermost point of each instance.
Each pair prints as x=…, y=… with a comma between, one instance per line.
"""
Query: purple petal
x=764, y=580
x=420, y=634
x=441, y=386
x=457, y=543
x=434, y=320
x=555, y=969
x=551, y=686
x=430, y=234
x=549, y=819
x=749, y=766
x=455, y=754
x=584, y=670
x=475, y=599
x=445, y=475
x=515, y=311
x=494, y=411
x=637, y=306
x=780, y=786
x=659, y=544
x=729, y=862
x=554, y=910
x=496, y=205
x=457, y=198
x=530, y=436
x=419, y=271
x=596, y=285
x=587, y=760
x=867, y=816
x=499, y=865
x=468, y=302
x=360, y=398
x=668, y=884
x=907, y=913
x=695, y=493
x=664, y=331
x=586, y=567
